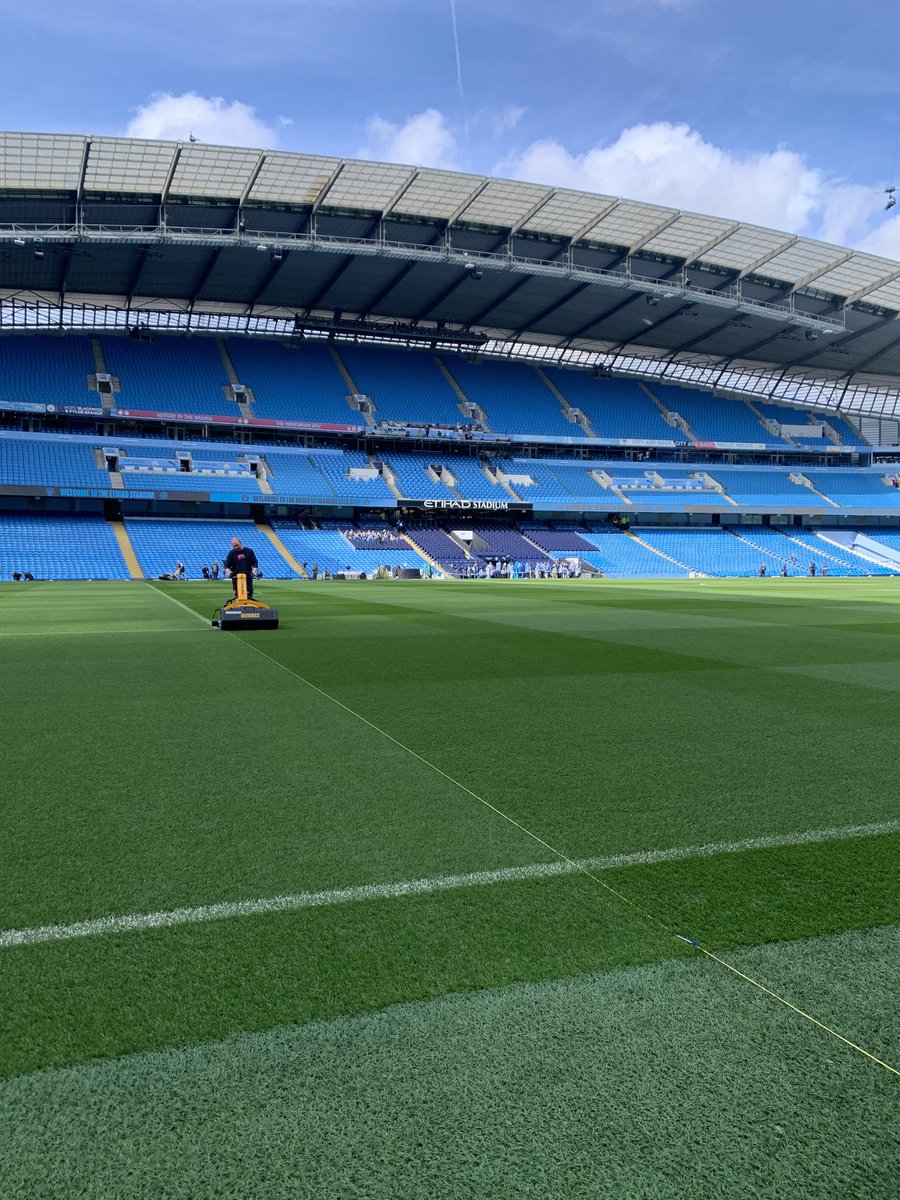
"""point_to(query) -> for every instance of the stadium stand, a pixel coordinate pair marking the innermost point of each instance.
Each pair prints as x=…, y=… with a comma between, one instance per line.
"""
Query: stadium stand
x=412, y=477
x=298, y=475
x=67, y=546
x=439, y=546
x=46, y=370
x=714, y=418
x=531, y=480
x=50, y=462
x=616, y=408
x=165, y=474
x=367, y=486
x=513, y=397
x=855, y=488
x=170, y=374
x=159, y=544
x=762, y=487
x=623, y=557
x=818, y=548
x=292, y=382
x=331, y=551
x=490, y=542
x=558, y=541
x=712, y=551
x=403, y=385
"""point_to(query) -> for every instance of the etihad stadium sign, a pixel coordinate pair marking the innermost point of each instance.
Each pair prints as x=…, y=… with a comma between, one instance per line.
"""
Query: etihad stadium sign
x=473, y=505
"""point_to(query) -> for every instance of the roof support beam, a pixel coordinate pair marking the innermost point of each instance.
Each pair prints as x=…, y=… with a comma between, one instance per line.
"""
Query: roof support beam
x=439, y=299
x=372, y=305
x=327, y=285
x=204, y=276
x=498, y=300
x=861, y=366
x=266, y=282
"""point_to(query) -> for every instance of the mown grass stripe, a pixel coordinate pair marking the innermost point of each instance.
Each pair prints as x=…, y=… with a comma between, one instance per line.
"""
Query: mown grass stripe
x=135, y=922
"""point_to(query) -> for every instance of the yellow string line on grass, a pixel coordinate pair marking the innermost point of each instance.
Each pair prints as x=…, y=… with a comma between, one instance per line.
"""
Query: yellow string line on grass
x=577, y=867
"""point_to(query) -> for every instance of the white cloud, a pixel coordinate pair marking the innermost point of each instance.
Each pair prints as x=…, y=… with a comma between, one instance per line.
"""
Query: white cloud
x=673, y=165
x=209, y=118
x=885, y=240
x=423, y=140
x=502, y=120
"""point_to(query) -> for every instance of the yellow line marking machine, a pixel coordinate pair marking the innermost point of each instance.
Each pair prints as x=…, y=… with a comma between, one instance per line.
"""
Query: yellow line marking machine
x=243, y=612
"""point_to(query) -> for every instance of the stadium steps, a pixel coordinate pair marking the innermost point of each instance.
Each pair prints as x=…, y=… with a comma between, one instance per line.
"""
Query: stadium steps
x=581, y=420
x=424, y=553
x=234, y=380
x=267, y=531
x=499, y=478
x=669, y=417
x=768, y=425
x=106, y=400
x=715, y=486
x=350, y=384
x=115, y=478
x=131, y=559
x=388, y=476
x=604, y=479
x=466, y=406
x=760, y=549
x=850, y=552
x=659, y=553
x=797, y=478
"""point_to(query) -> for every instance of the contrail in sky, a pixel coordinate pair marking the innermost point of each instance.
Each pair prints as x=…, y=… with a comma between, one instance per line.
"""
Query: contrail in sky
x=459, y=78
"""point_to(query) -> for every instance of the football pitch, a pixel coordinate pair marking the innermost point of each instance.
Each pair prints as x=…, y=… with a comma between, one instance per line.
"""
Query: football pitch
x=463, y=889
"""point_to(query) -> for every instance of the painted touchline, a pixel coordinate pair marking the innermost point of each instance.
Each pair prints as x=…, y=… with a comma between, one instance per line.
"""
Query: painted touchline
x=136, y=922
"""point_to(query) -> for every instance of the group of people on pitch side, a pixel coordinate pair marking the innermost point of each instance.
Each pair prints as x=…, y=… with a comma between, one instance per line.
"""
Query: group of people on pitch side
x=240, y=560
x=813, y=569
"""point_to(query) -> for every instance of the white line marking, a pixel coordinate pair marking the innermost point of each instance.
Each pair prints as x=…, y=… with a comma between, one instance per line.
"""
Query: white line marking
x=192, y=611
x=134, y=922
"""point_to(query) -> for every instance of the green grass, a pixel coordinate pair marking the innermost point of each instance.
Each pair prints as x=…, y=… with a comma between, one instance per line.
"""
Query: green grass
x=156, y=763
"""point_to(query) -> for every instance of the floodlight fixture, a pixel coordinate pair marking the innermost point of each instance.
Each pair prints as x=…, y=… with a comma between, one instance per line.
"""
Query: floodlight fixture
x=811, y=335
x=38, y=249
x=18, y=241
x=277, y=254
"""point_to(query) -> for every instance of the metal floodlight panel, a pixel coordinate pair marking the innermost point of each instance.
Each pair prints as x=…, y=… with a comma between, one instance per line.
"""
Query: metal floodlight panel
x=436, y=195
x=802, y=259
x=859, y=272
x=628, y=223
x=41, y=161
x=686, y=236
x=292, y=178
x=366, y=186
x=567, y=212
x=748, y=244
x=128, y=165
x=219, y=172
x=503, y=203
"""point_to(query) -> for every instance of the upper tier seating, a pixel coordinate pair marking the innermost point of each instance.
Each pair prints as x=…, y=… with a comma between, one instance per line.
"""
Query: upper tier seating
x=170, y=374
x=292, y=382
x=785, y=415
x=159, y=544
x=514, y=397
x=46, y=370
x=298, y=475
x=714, y=418
x=59, y=547
x=404, y=385
x=616, y=408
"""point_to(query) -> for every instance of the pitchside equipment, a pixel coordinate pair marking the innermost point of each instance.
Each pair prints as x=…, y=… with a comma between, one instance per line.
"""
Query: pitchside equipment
x=244, y=613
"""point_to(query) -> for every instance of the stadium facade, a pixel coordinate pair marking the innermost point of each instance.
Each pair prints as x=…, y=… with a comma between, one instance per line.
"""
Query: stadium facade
x=326, y=340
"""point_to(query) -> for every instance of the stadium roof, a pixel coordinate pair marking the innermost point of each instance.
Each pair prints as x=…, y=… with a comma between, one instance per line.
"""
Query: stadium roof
x=176, y=226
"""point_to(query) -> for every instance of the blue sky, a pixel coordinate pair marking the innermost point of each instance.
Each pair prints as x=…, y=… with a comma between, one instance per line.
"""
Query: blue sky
x=784, y=112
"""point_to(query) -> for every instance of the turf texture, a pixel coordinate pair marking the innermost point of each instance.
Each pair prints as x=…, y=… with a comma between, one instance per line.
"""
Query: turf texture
x=157, y=763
